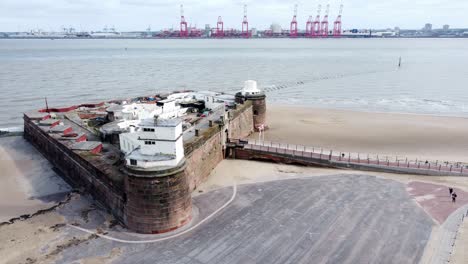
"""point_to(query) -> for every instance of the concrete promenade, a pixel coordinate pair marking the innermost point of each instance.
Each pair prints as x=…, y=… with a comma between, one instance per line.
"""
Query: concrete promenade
x=332, y=219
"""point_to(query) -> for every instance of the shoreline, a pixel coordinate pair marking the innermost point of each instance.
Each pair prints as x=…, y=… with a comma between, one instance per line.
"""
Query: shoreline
x=286, y=105
x=415, y=136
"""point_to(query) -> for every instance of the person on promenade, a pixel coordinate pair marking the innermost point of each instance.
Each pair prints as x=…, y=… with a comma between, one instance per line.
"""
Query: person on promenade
x=454, y=197
x=450, y=191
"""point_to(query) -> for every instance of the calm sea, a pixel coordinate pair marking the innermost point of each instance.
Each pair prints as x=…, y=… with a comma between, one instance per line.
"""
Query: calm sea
x=359, y=74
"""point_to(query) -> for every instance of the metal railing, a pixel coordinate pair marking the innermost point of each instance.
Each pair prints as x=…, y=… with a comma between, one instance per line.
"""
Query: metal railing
x=355, y=158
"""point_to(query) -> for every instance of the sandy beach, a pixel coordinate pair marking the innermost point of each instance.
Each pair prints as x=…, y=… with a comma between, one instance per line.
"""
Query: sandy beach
x=28, y=180
x=28, y=183
x=415, y=136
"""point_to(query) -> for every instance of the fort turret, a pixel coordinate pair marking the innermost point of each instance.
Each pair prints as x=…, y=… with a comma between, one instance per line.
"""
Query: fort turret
x=157, y=188
x=252, y=93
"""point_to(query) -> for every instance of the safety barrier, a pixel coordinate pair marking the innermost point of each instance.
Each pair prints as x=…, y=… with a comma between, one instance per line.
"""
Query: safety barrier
x=368, y=160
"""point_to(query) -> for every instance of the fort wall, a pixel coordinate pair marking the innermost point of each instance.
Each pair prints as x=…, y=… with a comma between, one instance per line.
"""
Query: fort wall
x=158, y=202
x=145, y=201
x=77, y=170
x=205, y=153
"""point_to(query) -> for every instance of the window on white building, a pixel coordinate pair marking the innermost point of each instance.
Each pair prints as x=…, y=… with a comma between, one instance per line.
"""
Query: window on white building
x=133, y=162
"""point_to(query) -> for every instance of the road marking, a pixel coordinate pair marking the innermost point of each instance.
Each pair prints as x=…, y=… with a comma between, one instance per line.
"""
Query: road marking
x=234, y=193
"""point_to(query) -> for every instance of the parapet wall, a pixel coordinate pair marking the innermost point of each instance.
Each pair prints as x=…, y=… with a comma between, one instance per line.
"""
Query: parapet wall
x=79, y=172
x=203, y=160
x=241, y=125
x=208, y=151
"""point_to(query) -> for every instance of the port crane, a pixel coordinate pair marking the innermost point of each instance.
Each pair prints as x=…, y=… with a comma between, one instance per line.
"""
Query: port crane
x=245, y=24
x=324, y=24
x=220, y=27
x=309, y=27
x=316, y=23
x=183, y=23
x=293, y=27
x=337, y=24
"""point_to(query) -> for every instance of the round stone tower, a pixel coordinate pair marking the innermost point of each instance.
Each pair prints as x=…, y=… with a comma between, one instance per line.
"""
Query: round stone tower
x=252, y=93
x=158, y=201
x=157, y=192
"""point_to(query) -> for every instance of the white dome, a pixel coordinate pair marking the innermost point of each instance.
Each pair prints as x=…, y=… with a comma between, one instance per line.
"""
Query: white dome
x=250, y=88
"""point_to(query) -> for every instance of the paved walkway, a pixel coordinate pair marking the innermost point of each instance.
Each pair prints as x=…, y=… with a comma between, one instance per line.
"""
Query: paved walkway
x=333, y=219
x=436, y=200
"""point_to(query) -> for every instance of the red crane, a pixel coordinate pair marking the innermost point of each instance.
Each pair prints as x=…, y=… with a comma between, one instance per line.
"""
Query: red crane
x=293, y=28
x=309, y=27
x=316, y=23
x=337, y=24
x=183, y=23
x=245, y=24
x=324, y=24
x=220, y=28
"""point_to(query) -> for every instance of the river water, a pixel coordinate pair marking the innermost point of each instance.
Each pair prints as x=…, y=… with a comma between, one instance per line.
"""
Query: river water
x=358, y=74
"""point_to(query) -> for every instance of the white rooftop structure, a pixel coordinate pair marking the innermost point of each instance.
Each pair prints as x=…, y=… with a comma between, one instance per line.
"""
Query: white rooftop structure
x=250, y=88
x=153, y=144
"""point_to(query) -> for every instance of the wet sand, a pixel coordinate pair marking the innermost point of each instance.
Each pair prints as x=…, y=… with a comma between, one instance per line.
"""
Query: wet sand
x=414, y=136
x=28, y=183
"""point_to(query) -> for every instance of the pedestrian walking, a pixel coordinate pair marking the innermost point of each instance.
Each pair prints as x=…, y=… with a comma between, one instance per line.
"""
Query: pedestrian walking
x=454, y=197
x=450, y=191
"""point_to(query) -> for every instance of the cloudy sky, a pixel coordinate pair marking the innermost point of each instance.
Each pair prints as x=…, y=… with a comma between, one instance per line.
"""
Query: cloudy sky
x=125, y=15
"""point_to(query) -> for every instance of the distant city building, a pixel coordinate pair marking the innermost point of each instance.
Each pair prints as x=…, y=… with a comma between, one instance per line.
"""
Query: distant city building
x=446, y=27
x=254, y=32
x=276, y=28
x=427, y=27
x=207, y=31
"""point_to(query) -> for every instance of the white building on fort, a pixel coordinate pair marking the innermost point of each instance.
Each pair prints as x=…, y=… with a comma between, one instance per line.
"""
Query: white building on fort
x=153, y=143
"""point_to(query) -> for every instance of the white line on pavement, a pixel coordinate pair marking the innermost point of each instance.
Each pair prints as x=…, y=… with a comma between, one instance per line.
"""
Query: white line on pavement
x=234, y=193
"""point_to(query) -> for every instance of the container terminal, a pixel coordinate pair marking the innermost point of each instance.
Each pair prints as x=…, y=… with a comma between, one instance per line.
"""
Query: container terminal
x=316, y=26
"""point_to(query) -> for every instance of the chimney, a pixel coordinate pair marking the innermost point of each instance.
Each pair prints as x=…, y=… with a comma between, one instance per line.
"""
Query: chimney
x=156, y=117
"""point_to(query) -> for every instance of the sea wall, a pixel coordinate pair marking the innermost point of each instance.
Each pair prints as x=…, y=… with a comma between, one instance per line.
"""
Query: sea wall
x=157, y=202
x=207, y=151
x=241, y=124
x=204, y=159
x=78, y=171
